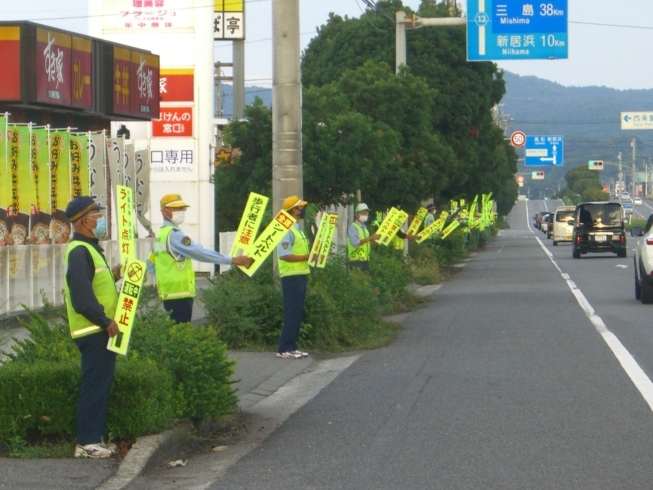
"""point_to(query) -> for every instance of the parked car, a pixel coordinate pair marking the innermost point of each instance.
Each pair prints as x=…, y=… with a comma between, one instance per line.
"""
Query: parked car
x=562, y=230
x=643, y=262
x=598, y=228
x=638, y=201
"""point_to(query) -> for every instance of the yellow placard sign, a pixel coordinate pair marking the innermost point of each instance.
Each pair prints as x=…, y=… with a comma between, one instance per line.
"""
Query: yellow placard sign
x=325, y=247
x=449, y=229
x=417, y=221
x=126, y=242
x=462, y=203
x=391, y=225
x=127, y=304
x=319, y=237
x=250, y=222
x=436, y=226
x=267, y=241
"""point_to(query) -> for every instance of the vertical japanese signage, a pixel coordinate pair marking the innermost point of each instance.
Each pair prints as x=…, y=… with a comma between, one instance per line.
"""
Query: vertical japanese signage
x=126, y=242
x=10, y=56
x=417, y=221
x=434, y=227
x=229, y=19
x=59, y=185
x=391, y=225
x=249, y=224
x=79, y=179
x=82, y=73
x=97, y=169
x=144, y=84
x=269, y=239
x=449, y=229
x=127, y=305
x=53, y=67
x=323, y=239
x=121, y=80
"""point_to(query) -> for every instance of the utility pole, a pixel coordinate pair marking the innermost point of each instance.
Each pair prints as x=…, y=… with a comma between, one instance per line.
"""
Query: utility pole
x=238, y=78
x=287, y=172
x=634, y=184
x=620, y=179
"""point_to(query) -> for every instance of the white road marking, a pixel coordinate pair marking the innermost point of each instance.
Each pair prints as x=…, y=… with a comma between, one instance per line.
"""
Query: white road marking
x=628, y=363
x=622, y=266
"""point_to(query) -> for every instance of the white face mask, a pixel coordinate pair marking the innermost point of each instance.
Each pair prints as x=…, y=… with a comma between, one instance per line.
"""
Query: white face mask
x=363, y=218
x=177, y=217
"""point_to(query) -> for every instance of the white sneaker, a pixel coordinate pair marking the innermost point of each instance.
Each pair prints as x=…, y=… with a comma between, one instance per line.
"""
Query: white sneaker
x=92, y=451
x=288, y=355
x=301, y=353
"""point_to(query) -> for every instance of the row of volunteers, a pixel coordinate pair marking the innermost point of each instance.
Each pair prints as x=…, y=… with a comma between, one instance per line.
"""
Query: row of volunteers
x=91, y=296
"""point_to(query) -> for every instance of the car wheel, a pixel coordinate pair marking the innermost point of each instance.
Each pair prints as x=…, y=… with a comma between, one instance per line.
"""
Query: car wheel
x=647, y=293
x=575, y=253
x=638, y=288
x=555, y=244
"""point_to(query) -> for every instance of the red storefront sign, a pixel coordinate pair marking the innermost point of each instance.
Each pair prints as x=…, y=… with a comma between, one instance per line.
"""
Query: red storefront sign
x=82, y=76
x=177, y=85
x=53, y=67
x=10, y=56
x=174, y=121
x=144, y=84
x=121, y=80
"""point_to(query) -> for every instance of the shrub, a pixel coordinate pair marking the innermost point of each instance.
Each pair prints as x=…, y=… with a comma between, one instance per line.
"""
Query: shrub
x=42, y=395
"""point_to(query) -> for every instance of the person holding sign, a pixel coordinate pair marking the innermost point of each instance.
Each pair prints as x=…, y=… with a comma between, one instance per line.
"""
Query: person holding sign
x=293, y=252
x=430, y=217
x=171, y=260
x=359, y=239
x=91, y=301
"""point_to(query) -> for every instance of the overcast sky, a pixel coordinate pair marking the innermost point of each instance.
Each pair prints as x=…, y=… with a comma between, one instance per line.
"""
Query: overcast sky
x=609, y=42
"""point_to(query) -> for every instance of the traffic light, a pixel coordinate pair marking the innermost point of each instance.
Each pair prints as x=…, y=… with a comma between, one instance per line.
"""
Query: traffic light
x=595, y=164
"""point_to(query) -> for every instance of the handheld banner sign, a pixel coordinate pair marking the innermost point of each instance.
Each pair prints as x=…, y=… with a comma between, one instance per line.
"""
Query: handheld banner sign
x=250, y=222
x=127, y=305
x=417, y=221
x=385, y=226
x=449, y=229
x=327, y=240
x=267, y=241
x=462, y=203
x=126, y=241
x=319, y=236
x=437, y=225
x=392, y=226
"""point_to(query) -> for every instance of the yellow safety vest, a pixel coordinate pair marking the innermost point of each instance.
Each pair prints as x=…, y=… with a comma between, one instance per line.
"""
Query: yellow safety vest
x=175, y=279
x=104, y=287
x=299, y=247
x=362, y=252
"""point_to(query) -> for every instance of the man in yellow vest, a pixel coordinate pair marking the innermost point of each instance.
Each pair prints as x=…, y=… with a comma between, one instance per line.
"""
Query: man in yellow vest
x=430, y=216
x=171, y=260
x=359, y=239
x=293, y=252
x=91, y=301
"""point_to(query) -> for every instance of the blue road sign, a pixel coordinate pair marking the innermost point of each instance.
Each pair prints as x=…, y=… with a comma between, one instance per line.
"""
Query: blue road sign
x=544, y=151
x=516, y=30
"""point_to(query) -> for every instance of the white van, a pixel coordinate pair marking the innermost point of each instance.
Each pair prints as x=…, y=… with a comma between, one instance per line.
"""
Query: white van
x=562, y=230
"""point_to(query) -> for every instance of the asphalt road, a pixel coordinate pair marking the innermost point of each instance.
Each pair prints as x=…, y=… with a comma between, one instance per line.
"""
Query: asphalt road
x=530, y=370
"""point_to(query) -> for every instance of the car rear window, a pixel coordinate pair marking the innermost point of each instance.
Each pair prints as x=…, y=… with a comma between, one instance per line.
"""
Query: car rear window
x=608, y=214
x=564, y=216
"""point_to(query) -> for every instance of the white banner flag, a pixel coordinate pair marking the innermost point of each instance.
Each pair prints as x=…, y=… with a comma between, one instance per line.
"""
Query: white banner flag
x=142, y=168
x=97, y=167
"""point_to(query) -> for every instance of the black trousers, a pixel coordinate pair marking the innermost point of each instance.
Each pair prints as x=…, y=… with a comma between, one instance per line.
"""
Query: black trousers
x=181, y=310
x=98, y=366
x=294, y=296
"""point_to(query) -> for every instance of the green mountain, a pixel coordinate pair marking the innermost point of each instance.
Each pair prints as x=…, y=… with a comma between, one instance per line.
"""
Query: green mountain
x=587, y=117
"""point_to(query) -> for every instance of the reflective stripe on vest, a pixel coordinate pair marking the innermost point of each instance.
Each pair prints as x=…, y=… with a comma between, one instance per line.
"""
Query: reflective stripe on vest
x=104, y=287
x=299, y=247
x=362, y=252
x=175, y=279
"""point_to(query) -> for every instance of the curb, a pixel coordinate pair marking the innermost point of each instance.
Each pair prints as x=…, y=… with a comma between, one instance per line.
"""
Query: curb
x=149, y=452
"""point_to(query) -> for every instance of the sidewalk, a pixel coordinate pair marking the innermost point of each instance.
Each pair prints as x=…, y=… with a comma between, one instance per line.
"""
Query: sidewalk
x=258, y=375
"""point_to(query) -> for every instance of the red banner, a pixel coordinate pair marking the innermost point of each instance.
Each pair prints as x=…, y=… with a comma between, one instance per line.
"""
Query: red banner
x=10, y=56
x=144, y=84
x=177, y=85
x=53, y=67
x=82, y=76
x=174, y=121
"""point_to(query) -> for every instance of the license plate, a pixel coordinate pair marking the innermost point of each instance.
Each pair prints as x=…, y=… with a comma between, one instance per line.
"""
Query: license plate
x=568, y=238
x=600, y=238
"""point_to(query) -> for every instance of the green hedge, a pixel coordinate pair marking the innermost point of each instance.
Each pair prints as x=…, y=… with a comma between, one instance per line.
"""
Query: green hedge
x=42, y=396
x=171, y=371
